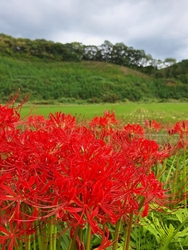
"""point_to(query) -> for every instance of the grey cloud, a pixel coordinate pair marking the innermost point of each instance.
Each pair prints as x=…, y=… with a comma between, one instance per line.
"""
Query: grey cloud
x=158, y=27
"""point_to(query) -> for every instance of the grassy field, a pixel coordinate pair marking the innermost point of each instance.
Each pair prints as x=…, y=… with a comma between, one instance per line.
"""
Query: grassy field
x=166, y=112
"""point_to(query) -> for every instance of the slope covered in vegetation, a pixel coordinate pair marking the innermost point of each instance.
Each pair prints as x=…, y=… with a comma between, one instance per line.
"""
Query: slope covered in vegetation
x=177, y=71
x=49, y=71
x=77, y=81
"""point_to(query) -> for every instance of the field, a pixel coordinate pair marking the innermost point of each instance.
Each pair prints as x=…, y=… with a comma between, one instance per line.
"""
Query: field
x=131, y=112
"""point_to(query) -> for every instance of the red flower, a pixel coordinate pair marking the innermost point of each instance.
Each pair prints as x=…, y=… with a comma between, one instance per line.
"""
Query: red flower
x=56, y=167
x=138, y=151
x=8, y=117
x=61, y=120
x=181, y=128
x=152, y=124
x=35, y=122
x=107, y=119
x=134, y=130
x=13, y=232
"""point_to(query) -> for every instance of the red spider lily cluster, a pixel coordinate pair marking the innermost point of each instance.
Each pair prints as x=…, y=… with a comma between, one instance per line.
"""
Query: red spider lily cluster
x=81, y=174
x=152, y=124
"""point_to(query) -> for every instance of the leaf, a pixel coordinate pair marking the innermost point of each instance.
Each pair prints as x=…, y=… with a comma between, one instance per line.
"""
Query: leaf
x=64, y=239
x=181, y=214
x=169, y=231
x=153, y=228
x=142, y=239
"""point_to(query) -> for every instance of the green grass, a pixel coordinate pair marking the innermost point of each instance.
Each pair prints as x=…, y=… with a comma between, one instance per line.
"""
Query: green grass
x=160, y=111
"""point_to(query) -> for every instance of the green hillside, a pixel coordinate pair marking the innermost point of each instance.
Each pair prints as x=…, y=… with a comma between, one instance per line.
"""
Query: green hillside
x=81, y=81
x=54, y=72
x=177, y=71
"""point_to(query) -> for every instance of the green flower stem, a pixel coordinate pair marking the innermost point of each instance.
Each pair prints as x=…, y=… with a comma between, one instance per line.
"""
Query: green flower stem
x=184, y=176
x=174, y=189
x=20, y=247
x=81, y=236
x=170, y=170
x=55, y=236
x=34, y=243
x=72, y=245
x=39, y=239
x=52, y=235
x=27, y=238
x=58, y=245
x=29, y=242
x=160, y=170
x=116, y=234
x=128, y=233
x=88, y=242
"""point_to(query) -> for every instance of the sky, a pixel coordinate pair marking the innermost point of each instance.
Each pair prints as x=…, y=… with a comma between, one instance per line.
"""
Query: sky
x=159, y=27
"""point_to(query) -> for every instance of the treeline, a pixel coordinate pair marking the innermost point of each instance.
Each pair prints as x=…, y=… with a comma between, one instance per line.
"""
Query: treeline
x=79, y=82
x=118, y=54
x=178, y=71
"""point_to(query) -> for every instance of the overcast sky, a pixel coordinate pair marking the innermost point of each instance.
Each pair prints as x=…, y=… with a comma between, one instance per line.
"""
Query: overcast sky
x=159, y=27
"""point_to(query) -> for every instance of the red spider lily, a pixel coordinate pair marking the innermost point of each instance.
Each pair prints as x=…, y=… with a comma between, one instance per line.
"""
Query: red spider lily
x=181, y=128
x=31, y=182
x=138, y=151
x=9, y=237
x=17, y=200
x=110, y=116
x=101, y=192
x=7, y=194
x=87, y=162
x=152, y=124
x=107, y=120
x=79, y=175
x=133, y=130
x=103, y=126
x=89, y=170
x=61, y=120
x=126, y=135
x=152, y=192
x=137, y=183
x=8, y=117
x=35, y=122
x=171, y=131
x=105, y=241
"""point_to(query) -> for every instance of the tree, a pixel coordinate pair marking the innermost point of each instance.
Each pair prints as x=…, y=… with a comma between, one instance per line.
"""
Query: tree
x=106, y=49
x=169, y=62
x=119, y=54
x=90, y=52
